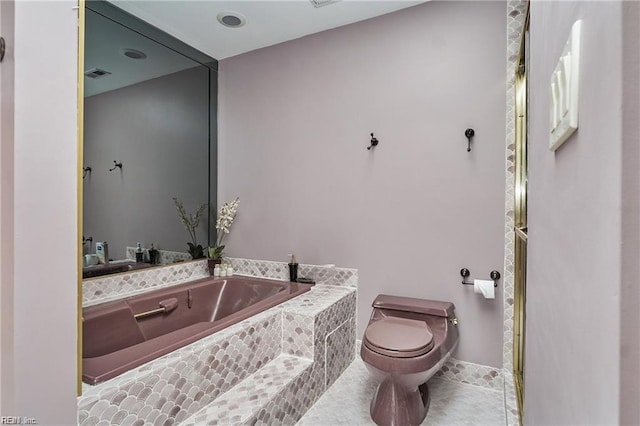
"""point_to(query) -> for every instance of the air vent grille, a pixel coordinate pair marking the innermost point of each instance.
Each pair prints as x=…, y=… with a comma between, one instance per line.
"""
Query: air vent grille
x=96, y=73
x=322, y=3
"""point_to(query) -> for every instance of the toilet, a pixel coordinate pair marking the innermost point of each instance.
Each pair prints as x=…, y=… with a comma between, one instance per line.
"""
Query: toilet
x=406, y=342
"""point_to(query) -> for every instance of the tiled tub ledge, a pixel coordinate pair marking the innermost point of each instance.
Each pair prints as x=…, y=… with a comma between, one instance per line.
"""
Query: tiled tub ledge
x=270, y=368
x=116, y=286
x=327, y=274
x=112, y=287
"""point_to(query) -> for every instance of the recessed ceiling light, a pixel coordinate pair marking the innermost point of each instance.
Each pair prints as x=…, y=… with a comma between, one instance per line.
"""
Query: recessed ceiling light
x=134, y=54
x=231, y=19
x=322, y=3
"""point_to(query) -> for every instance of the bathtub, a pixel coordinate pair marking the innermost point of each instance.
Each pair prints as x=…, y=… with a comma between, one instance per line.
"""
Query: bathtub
x=120, y=335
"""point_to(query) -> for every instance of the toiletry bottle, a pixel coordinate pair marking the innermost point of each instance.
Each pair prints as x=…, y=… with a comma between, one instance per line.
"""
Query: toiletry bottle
x=216, y=271
x=105, y=249
x=99, y=252
x=293, y=269
x=229, y=270
x=139, y=253
x=153, y=255
x=223, y=270
x=102, y=250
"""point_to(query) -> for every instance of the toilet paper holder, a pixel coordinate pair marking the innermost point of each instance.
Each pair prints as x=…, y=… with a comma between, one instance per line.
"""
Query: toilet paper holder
x=495, y=276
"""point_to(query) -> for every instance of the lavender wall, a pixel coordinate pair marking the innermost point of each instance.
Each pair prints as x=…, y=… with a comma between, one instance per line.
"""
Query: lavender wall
x=159, y=129
x=576, y=224
x=7, y=86
x=45, y=207
x=295, y=120
x=630, y=289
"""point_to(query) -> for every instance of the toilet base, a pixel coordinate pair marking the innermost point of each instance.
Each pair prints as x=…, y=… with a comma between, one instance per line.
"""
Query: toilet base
x=395, y=404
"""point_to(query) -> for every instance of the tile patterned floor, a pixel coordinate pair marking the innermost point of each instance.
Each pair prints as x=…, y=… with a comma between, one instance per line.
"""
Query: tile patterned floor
x=452, y=403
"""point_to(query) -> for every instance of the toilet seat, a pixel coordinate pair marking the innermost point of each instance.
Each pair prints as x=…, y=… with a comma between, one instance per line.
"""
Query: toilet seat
x=399, y=337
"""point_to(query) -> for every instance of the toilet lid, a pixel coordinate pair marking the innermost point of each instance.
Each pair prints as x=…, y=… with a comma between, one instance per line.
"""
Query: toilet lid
x=399, y=337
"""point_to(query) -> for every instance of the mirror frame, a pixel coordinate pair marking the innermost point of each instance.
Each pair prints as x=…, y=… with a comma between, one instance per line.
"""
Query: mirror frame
x=143, y=28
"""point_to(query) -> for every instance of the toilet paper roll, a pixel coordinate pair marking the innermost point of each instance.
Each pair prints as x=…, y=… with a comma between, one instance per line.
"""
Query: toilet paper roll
x=485, y=287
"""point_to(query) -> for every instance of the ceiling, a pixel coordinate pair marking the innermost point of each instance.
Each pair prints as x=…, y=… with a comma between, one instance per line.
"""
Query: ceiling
x=104, y=44
x=267, y=22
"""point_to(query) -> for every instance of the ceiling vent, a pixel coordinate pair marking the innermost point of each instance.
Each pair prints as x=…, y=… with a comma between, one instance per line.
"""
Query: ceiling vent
x=96, y=73
x=322, y=3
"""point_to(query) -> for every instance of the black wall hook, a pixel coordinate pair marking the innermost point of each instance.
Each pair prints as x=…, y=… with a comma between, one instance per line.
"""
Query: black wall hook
x=469, y=133
x=374, y=142
x=116, y=165
x=86, y=170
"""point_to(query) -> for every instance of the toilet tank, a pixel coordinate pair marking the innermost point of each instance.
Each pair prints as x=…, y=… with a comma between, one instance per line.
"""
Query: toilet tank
x=410, y=304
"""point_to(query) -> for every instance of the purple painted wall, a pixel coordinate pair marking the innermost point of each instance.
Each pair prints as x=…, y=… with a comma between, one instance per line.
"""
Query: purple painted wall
x=630, y=288
x=45, y=205
x=295, y=120
x=580, y=211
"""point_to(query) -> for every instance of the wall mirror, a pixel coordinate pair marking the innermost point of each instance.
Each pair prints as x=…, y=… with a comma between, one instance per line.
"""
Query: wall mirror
x=149, y=137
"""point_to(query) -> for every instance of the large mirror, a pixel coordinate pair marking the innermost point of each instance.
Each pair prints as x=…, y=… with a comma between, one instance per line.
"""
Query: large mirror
x=149, y=138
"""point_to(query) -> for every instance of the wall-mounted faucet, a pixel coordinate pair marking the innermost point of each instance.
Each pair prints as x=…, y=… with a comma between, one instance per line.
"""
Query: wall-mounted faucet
x=116, y=165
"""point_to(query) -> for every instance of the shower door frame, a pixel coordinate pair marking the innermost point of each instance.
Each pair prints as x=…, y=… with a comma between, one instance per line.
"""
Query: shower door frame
x=520, y=226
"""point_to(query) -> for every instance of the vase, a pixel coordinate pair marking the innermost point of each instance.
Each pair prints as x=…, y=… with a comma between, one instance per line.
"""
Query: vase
x=212, y=264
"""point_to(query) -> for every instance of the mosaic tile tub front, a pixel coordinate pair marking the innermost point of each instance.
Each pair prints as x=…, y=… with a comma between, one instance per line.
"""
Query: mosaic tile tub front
x=287, y=356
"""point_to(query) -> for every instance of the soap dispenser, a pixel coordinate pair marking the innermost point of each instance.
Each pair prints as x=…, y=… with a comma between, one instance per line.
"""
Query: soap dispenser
x=139, y=253
x=153, y=255
x=293, y=269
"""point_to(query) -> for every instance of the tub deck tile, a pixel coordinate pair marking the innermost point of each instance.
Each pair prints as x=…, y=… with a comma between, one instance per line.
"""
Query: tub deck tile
x=248, y=397
x=317, y=300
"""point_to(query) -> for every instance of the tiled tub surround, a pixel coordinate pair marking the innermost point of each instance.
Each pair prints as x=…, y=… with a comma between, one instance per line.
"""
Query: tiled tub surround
x=327, y=274
x=285, y=357
x=111, y=287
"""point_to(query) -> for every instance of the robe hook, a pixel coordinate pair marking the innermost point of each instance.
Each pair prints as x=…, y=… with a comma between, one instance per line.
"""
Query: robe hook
x=469, y=133
x=374, y=142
